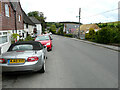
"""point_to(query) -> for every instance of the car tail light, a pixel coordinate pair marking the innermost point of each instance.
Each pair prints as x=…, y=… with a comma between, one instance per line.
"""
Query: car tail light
x=32, y=59
x=2, y=60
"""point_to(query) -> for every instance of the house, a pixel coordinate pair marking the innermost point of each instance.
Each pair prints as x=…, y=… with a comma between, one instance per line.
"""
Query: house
x=85, y=29
x=28, y=25
x=70, y=27
x=38, y=26
x=11, y=21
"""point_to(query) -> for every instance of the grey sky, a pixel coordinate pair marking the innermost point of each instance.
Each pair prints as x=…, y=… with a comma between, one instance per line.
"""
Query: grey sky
x=67, y=10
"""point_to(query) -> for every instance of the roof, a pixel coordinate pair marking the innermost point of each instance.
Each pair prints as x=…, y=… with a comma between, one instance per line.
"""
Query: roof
x=68, y=22
x=88, y=26
x=26, y=19
x=34, y=20
x=14, y=4
x=36, y=45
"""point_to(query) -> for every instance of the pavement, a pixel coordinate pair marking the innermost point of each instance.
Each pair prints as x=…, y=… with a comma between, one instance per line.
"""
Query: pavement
x=101, y=45
x=71, y=64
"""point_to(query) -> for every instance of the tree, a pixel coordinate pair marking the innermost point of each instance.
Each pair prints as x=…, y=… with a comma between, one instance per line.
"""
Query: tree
x=53, y=29
x=61, y=31
x=39, y=16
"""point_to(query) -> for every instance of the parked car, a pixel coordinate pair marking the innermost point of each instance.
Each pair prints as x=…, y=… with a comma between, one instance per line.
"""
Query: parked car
x=45, y=40
x=24, y=56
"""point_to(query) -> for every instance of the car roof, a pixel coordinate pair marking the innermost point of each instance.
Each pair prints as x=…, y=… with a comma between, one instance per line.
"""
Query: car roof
x=44, y=35
x=26, y=42
x=36, y=45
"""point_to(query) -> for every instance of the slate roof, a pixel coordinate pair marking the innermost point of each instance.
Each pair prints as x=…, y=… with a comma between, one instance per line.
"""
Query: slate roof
x=34, y=20
x=26, y=19
x=14, y=4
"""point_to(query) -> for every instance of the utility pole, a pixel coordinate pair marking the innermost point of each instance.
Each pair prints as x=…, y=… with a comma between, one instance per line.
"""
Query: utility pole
x=79, y=23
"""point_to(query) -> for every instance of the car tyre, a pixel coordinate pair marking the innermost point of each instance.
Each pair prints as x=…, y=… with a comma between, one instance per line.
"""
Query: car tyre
x=42, y=70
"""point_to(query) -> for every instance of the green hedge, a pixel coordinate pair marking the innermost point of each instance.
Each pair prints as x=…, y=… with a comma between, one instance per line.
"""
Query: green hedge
x=29, y=38
x=68, y=35
x=108, y=35
x=90, y=35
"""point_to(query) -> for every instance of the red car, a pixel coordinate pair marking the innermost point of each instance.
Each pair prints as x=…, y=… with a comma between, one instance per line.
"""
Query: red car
x=45, y=40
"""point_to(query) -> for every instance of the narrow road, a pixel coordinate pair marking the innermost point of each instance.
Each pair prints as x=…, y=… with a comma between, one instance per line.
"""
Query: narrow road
x=71, y=64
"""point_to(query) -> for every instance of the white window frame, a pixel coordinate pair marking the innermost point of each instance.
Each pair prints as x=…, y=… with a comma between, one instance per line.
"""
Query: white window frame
x=2, y=35
x=7, y=13
x=19, y=18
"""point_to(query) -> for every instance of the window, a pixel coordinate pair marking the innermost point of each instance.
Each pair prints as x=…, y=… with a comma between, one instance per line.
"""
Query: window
x=22, y=47
x=42, y=38
x=7, y=10
x=4, y=33
x=3, y=37
x=19, y=18
x=0, y=7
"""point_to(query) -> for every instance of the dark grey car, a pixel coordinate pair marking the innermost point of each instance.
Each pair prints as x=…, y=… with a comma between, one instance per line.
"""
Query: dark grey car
x=24, y=56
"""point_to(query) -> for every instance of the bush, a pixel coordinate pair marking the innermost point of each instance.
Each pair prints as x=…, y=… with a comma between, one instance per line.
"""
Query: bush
x=107, y=35
x=87, y=36
x=90, y=35
x=13, y=37
x=68, y=35
x=117, y=37
x=58, y=32
x=29, y=38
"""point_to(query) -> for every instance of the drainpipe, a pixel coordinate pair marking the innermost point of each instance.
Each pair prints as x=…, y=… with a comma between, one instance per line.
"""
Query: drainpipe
x=15, y=21
x=15, y=24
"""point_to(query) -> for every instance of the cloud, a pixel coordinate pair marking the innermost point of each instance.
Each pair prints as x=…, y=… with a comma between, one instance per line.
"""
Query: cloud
x=67, y=10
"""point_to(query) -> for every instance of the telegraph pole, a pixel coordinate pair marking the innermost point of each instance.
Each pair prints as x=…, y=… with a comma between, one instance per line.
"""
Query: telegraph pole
x=79, y=23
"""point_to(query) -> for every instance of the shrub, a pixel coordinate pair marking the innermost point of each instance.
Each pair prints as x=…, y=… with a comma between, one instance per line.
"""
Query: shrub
x=58, y=32
x=91, y=34
x=117, y=37
x=13, y=37
x=87, y=36
x=107, y=35
x=68, y=35
x=29, y=38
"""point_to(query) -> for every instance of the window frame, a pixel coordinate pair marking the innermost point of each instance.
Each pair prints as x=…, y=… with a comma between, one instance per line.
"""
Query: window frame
x=19, y=18
x=0, y=7
x=7, y=10
x=4, y=34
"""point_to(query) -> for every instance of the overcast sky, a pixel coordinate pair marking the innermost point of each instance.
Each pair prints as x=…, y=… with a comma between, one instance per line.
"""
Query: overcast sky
x=67, y=10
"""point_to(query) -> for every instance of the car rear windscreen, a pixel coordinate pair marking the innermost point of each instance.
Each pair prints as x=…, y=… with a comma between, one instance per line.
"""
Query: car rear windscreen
x=22, y=47
x=42, y=38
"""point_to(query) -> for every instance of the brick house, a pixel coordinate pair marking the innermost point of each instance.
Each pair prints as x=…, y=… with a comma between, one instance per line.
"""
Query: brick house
x=11, y=21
